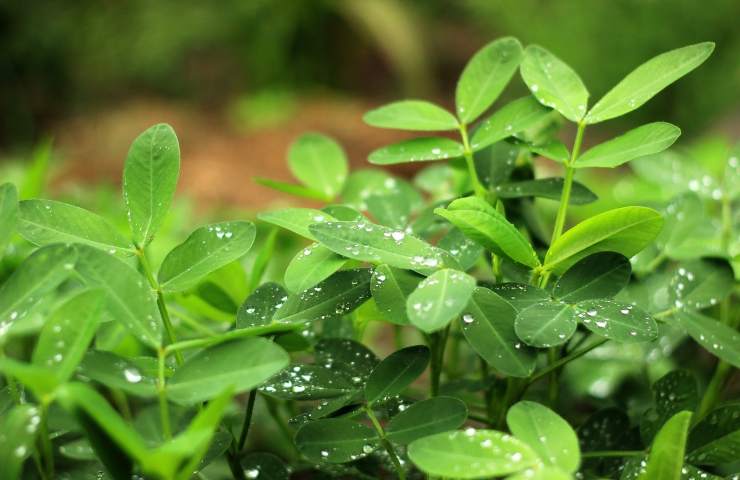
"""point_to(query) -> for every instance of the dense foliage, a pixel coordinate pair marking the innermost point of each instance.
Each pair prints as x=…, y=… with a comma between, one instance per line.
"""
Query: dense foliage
x=519, y=353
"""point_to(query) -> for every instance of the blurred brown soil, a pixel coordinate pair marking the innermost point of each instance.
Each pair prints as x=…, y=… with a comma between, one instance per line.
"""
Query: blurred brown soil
x=218, y=161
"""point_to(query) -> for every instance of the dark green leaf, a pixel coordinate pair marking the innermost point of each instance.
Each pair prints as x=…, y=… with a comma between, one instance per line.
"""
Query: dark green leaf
x=439, y=298
x=428, y=417
x=348, y=358
x=422, y=149
x=335, y=440
x=396, y=372
x=307, y=382
x=618, y=321
x=700, y=284
x=149, y=180
x=715, y=439
x=411, y=115
x=260, y=307
x=546, y=324
x=520, y=295
x=672, y=393
x=716, y=337
x=463, y=249
x=601, y=275
x=264, y=466
x=310, y=266
x=495, y=163
x=551, y=188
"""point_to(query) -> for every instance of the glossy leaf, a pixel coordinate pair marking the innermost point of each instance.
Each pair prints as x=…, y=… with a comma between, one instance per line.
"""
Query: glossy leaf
x=471, y=454
x=264, y=466
x=307, y=382
x=396, y=372
x=546, y=324
x=347, y=358
x=496, y=163
x=206, y=250
x=416, y=115
x=43, y=222
x=485, y=77
x=715, y=439
x=390, y=288
x=428, y=417
x=130, y=299
x=554, y=83
x=618, y=321
x=547, y=433
x=484, y=224
x=240, y=364
x=260, y=307
x=422, y=149
x=488, y=325
x=552, y=149
x=335, y=440
x=667, y=452
x=507, y=121
x=136, y=376
x=310, y=266
x=700, y=284
x=338, y=295
x=639, y=142
x=647, y=80
x=149, y=180
x=550, y=188
x=392, y=210
x=68, y=332
x=296, y=220
x=319, y=163
x=624, y=230
x=38, y=275
x=8, y=213
x=601, y=275
x=439, y=298
x=292, y=189
x=717, y=338
x=672, y=393
x=464, y=250
x=18, y=427
x=367, y=242
x=520, y=295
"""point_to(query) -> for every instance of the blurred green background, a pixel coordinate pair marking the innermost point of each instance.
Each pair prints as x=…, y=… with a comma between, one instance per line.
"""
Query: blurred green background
x=239, y=78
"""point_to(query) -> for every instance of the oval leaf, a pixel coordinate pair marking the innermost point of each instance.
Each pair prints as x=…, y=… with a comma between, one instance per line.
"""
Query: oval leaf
x=319, y=163
x=551, y=188
x=510, y=119
x=260, y=307
x=310, y=266
x=135, y=376
x=206, y=250
x=554, y=83
x=396, y=372
x=149, y=180
x=297, y=220
x=335, y=440
x=19, y=427
x=484, y=224
x=622, y=322
x=439, y=298
x=546, y=324
x=648, y=79
x=390, y=287
x=717, y=338
x=428, y=417
x=601, y=275
x=485, y=76
x=639, y=142
x=666, y=454
x=423, y=149
x=416, y=115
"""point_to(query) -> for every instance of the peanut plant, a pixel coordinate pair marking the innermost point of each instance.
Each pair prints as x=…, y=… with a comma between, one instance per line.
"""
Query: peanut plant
x=519, y=348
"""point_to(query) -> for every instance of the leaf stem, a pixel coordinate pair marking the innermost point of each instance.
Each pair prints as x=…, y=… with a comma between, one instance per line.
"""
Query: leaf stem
x=478, y=188
x=437, y=343
x=612, y=453
x=164, y=410
x=247, y=421
x=386, y=444
x=47, y=452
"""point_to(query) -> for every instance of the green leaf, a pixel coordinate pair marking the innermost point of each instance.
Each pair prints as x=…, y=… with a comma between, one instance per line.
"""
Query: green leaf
x=335, y=440
x=624, y=230
x=43, y=222
x=717, y=338
x=618, y=321
x=8, y=214
x=428, y=417
x=135, y=376
x=485, y=76
x=496, y=163
x=307, y=382
x=310, y=266
x=672, y=393
x=338, y=295
x=542, y=473
x=648, y=79
x=715, y=439
x=18, y=427
x=422, y=149
x=396, y=372
x=553, y=149
x=130, y=300
x=462, y=249
x=260, y=307
x=700, y=284
x=242, y=364
x=292, y=189
x=520, y=295
x=264, y=466
x=546, y=324
x=507, y=121
x=484, y=224
x=348, y=358
x=206, y=250
x=551, y=437
x=471, y=454
x=149, y=180
x=390, y=288
x=554, y=83
x=297, y=220
x=319, y=163
x=39, y=274
x=367, y=242
x=411, y=115
x=638, y=142
x=666, y=454
x=488, y=325
x=439, y=298
x=363, y=184
x=40, y=380
x=392, y=210
x=68, y=332
x=551, y=188
x=601, y=275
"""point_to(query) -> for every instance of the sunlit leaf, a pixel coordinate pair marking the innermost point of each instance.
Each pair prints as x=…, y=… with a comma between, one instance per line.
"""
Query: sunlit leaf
x=510, y=119
x=639, y=142
x=390, y=288
x=667, y=452
x=546, y=324
x=423, y=149
x=297, y=220
x=439, y=298
x=411, y=115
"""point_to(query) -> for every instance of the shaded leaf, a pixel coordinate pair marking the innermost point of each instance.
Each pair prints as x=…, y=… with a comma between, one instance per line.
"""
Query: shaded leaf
x=715, y=439
x=307, y=382
x=335, y=440
x=551, y=188
x=520, y=295
x=428, y=417
x=546, y=324
x=717, y=338
x=396, y=372
x=8, y=213
x=601, y=275
x=464, y=250
x=699, y=284
x=390, y=288
x=18, y=427
x=264, y=466
x=260, y=307
x=135, y=376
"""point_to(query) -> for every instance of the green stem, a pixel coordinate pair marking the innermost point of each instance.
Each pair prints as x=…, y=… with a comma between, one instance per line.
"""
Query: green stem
x=272, y=409
x=552, y=386
x=247, y=421
x=47, y=452
x=164, y=410
x=509, y=395
x=612, y=453
x=437, y=342
x=161, y=305
x=386, y=444
x=568, y=184
x=478, y=188
x=566, y=359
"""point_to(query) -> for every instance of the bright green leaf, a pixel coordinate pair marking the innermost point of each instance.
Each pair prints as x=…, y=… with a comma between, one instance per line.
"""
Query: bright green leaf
x=439, y=298
x=638, y=142
x=18, y=427
x=310, y=266
x=618, y=321
x=546, y=324
x=297, y=220
x=666, y=454
x=411, y=115
x=422, y=149
x=8, y=213
x=507, y=121
x=390, y=288
x=319, y=163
